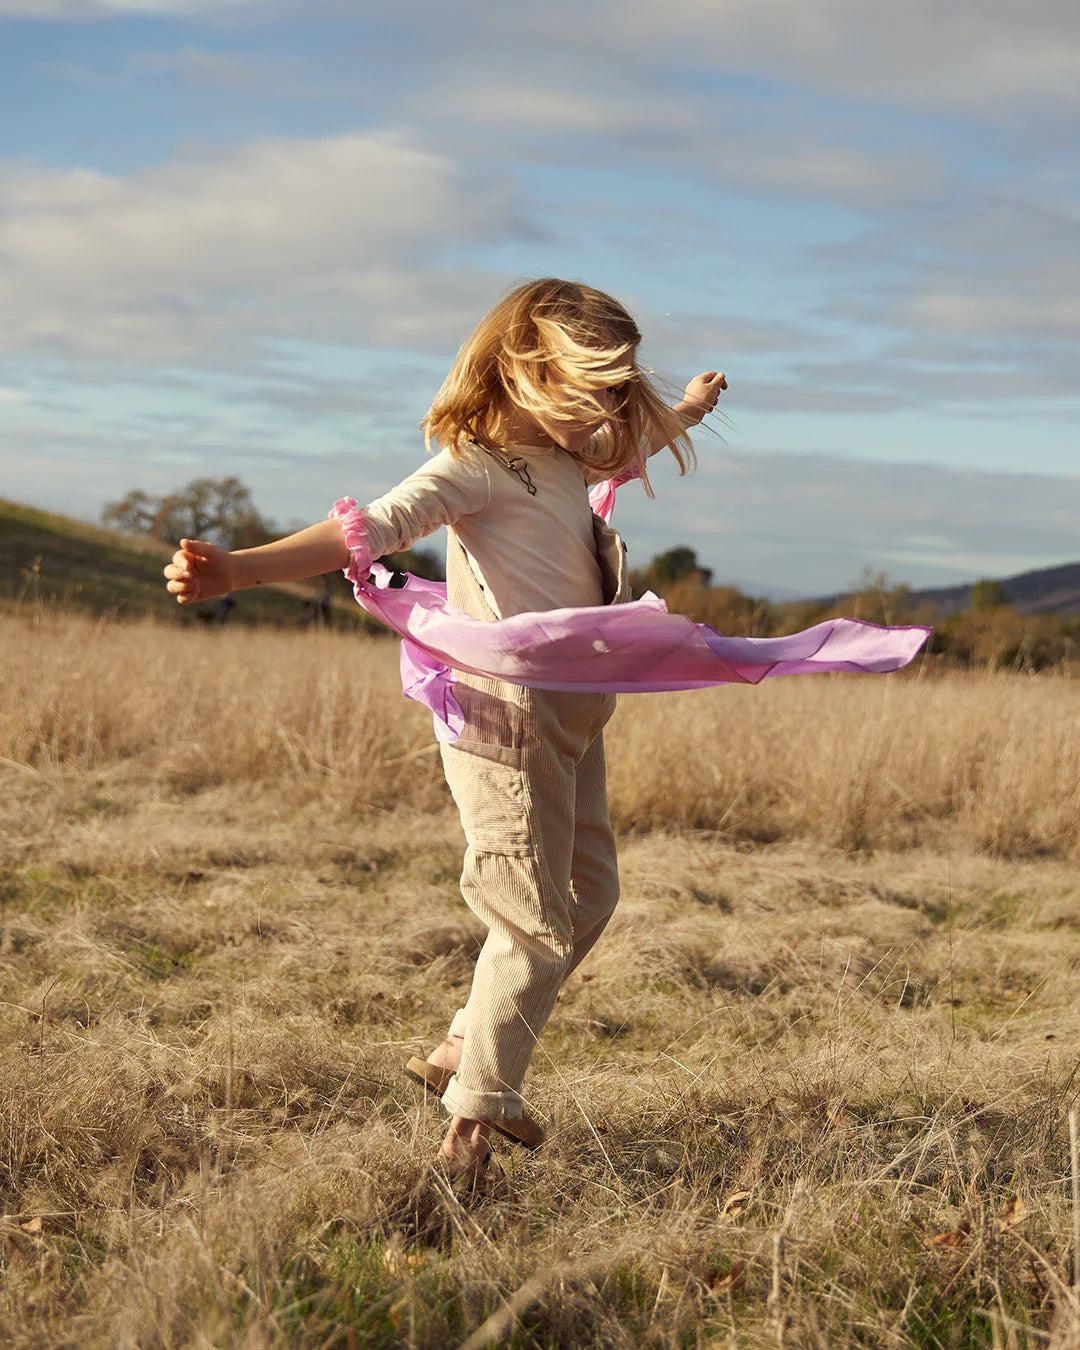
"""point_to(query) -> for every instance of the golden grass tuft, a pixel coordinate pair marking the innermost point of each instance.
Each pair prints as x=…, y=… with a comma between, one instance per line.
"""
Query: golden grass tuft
x=989, y=760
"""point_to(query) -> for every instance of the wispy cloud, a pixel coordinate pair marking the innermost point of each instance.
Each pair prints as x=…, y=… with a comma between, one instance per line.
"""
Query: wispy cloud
x=813, y=522
x=201, y=66
x=182, y=261
x=99, y=9
x=976, y=266
x=970, y=54
x=720, y=139
x=974, y=54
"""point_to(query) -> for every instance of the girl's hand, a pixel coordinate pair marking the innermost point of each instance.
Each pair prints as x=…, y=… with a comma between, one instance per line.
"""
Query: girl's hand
x=200, y=571
x=702, y=393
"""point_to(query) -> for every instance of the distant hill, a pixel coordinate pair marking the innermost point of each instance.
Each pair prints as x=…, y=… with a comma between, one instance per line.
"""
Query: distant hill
x=54, y=561
x=1047, y=590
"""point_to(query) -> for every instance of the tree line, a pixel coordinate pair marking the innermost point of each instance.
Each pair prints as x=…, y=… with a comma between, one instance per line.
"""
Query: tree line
x=990, y=633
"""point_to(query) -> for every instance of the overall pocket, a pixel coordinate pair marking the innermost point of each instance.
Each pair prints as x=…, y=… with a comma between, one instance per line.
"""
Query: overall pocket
x=484, y=772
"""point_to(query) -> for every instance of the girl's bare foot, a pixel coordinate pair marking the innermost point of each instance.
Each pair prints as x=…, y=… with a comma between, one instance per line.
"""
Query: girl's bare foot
x=448, y=1054
x=466, y=1146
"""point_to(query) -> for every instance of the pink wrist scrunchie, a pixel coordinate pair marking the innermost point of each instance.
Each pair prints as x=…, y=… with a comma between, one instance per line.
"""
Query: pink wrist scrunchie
x=353, y=527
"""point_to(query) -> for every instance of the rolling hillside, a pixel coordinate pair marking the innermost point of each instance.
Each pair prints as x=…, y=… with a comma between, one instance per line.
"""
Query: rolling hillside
x=1048, y=590
x=56, y=562
x=1045, y=590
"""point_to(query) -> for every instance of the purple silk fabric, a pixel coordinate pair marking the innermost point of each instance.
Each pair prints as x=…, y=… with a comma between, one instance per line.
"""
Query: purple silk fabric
x=632, y=648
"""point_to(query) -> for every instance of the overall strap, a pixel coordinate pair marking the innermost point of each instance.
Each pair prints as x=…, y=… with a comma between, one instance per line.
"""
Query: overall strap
x=611, y=555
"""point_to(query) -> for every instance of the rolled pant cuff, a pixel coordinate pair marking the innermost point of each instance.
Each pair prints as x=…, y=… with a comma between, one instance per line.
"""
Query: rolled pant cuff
x=459, y=1023
x=460, y=1101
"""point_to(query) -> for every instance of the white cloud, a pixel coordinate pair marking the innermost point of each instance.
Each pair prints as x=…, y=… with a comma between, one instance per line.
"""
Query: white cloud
x=837, y=173
x=714, y=138
x=971, y=54
x=12, y=395
x=94, y=9
x=967, y=54
x=970, y=312
x=343, y=239
x=319, y=238
x=551, y=106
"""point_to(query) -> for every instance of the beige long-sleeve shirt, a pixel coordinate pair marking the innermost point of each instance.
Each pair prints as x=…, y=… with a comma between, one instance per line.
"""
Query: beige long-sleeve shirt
x=523, y=518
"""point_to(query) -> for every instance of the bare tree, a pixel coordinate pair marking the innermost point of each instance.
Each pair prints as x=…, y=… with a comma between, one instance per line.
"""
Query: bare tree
x=217, y=509
x=133, y=514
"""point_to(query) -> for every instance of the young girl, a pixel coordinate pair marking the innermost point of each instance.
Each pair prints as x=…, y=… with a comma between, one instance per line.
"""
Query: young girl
x=544, y=399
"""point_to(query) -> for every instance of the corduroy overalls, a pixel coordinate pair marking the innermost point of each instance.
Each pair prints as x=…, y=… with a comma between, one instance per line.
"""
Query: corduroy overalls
x=540, y=868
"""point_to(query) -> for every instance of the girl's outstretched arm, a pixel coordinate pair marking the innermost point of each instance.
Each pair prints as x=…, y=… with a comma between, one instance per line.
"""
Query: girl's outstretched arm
x=699, y=398
x=203, y=571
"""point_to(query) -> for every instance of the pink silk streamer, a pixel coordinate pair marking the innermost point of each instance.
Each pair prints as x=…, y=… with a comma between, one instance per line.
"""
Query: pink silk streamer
x=602, y=495
x=638, y=647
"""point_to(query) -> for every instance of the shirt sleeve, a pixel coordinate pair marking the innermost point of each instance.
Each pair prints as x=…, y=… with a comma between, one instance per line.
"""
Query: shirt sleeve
x=440, y=492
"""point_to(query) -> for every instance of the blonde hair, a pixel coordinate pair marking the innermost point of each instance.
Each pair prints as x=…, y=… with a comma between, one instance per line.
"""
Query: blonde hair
x=547, y=348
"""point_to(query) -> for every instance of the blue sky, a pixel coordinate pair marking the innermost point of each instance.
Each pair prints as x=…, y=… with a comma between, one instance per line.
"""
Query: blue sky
x=248, y=236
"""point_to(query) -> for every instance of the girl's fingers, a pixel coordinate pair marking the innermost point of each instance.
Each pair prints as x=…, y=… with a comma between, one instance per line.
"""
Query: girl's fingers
x=197, y=549
x=181, y=580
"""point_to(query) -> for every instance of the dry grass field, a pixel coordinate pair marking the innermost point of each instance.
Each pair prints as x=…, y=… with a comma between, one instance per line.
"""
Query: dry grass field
x=813, y=1088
